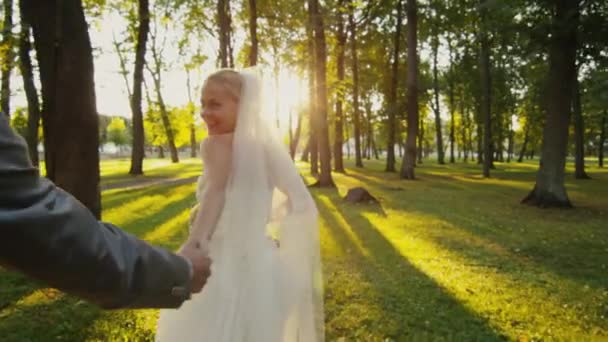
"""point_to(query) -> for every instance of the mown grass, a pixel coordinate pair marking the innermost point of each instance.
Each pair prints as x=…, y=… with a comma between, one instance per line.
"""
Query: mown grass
x=450, y=256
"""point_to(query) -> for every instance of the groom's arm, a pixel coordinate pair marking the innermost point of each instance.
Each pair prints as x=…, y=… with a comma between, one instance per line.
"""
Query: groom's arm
x=50, y=236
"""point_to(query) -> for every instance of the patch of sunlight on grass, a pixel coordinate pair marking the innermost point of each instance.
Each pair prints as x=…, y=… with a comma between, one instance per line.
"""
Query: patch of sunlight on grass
x=486, y=284
x=343, y=224
x=166, y=231
x=140, y=208
x=38, y=297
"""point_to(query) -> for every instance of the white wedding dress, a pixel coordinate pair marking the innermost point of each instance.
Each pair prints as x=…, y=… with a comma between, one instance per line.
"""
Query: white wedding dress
x=260, y=290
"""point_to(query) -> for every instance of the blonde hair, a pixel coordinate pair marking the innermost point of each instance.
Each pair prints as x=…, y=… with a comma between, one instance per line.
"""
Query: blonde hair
x=230, y=79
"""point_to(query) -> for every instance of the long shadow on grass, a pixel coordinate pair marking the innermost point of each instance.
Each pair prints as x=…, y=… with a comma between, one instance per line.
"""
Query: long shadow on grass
x=421, y=308
x=470, y=206
x=63, y=319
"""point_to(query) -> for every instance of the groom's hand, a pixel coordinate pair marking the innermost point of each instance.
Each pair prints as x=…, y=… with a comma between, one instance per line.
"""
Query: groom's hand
x=201, y=264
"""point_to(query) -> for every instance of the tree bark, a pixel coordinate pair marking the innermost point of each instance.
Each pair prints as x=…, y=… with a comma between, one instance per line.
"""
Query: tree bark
x=409, y=158
x=325, y=179
x=6, y=62
x=393, y=107
x=339, y=124
x=253, y=26
x=550, y=190
x=69, y=114
x=313, y=146
x=355, y=66
x=579, y=133
x=452, y=102
x=602, y=139
x=224, y=27
x=137, y=152
x=436, y=110
x=33, y=103
x=522, y=153
x=293, y=146
x=486, y=84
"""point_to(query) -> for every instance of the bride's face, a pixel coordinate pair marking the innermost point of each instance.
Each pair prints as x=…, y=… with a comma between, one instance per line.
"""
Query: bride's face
x=219, y=108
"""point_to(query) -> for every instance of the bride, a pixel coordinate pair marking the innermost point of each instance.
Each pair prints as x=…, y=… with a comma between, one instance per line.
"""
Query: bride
x=258, y=222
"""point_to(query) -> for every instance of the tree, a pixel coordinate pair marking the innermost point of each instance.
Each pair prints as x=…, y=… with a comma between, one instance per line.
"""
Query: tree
x=436, y=109
x=355, y=66
x=393, y=107
x=484, y=67
x=33, y=103
x=549, y=190
x=69, y=112
x=339, y=122
x=253, y=24
x=117, y=132
x=225, y=34
x=325, y=179
x=579, y=132
x=137, y=152
x=6, y=52
x=409, y=157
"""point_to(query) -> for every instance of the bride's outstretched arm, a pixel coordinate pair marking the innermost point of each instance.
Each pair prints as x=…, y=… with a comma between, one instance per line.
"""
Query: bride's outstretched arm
x=217, y=152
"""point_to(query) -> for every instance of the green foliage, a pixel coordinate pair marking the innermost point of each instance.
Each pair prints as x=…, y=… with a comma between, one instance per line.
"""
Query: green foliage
x=19, y=121
x=117, y=132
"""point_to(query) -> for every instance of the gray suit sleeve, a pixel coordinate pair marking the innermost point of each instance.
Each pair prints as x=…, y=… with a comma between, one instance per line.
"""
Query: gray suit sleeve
x=50, y=236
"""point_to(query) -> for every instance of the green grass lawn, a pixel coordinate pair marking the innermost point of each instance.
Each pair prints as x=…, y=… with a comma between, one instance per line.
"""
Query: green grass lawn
x=450, y=256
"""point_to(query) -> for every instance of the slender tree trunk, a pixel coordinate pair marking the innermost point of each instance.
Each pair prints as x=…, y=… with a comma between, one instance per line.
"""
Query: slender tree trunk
x=579, y=133
x=7, y=57
x=409, y=158
x=293, y=146
x=550, y=190
x=522, y=153
x=465, y=126
x=33, y=103
x=370, y=129
x=452, y=102
x=436, y=110
x=325, y=179
x=355, y=66
x=137, y=152
x=510, y=145
x=69, y=114
x=420, y=153
x=224, y=27
x=161, y=152
x=486, y=83
x=193, y=145
x=480, y=156
x=602, y=139
x=306, y=153
x=253, y=25
x=313, y=145
x=393, y=107
x=339, y=125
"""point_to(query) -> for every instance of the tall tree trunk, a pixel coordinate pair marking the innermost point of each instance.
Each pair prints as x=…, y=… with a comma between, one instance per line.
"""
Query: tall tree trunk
x=306, y=152
x=452, y=102
x=161, y=152
x=480, y=157
x=313, y=145
x=465, y=126
x=293, y=146
x=339, y=124
x=393, y=107
x=164, y=115
x=6, y=62
x=602, y=139
x=193, y=145
x=510, y=144
x=420, y=153
x=325, y=179
x=550, y=190
x=33, y=103
x=486, y=83
x=69, y=114
x=579, y=133
x=355, y=66
x=253, y=26
x=522, y=153
x=436, y=110
x=224, y=27
x=409, y=158
x=137, y=152
x=370, y=129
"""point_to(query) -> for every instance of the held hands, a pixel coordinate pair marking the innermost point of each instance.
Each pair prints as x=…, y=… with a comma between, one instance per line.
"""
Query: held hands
x=201, y=263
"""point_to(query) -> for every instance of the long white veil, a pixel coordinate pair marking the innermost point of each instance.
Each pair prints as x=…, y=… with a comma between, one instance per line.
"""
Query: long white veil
x=262, y=170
